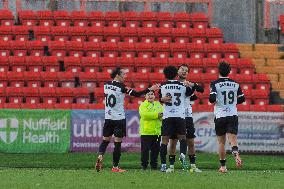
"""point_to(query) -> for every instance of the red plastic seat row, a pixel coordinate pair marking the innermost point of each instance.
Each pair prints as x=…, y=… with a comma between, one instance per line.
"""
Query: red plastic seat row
x=48, y=95
x=37, y=79
x=6, y=18
x=50, y=106
x=115, y=19
x=110, y=34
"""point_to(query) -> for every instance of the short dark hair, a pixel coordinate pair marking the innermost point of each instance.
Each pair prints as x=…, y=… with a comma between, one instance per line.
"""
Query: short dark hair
x=170, y=72
x=183, y=65
x=224, y=69
x=151, y=91
x=115, y=72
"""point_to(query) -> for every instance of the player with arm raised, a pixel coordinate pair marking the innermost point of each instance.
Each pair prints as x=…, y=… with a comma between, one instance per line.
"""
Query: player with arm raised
x=226, y=94
x=182, y=75
x=115, y=123
x=173, y=122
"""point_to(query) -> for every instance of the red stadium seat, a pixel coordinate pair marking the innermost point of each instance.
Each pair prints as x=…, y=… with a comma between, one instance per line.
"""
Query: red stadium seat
x=31, y=95
x=127, y=50
x=18, y=63
x=197, y=35
x=149, y=19
x=205, y=108
x=165, y=19
x=6, y=33
x=45, y=106
x=60, y=33
x=57, y=48
x=21, y=33
x=14, y=94
x=179, y=50
x=75, y=48
x=65, y=95
x=49, y=79
x=258, y=108
x=42, y=33
x=243, y=107
x=79, y=18
x=77, y=33
x=50, y=63
x=275, y=108
x=27, y=17
x=12, y=106
x=180, y=35
x=161, y=50
x=4, y=64
x=66, y=79
x=62, y=18
x=196, y=50
x=246, y=66
x=36, y=48
x=143, y=65
x=114, y=19
x=230, y=50
x=28, y=106
x=80, y=106
x=88, y=80
x=215, y=35
x=129, y=34
x=182, y=19
x=131, y=19
x=3, y=80
x=144, y=50
x=199, y=20
x=33, y=79
x=63, y=106
x=92, y=49
x=213, y=51
x=211, y=65
x=81, y=95
x=147, y=35
x=19, y=48
x=164, y=35
x=48, y=95
x=6, y=17
x=156, y=77
x=97, y=106
x=97, y=19
x=45, y=18
x=90, y=64
x=112, y=34
x=72, y=64
x=110, y=50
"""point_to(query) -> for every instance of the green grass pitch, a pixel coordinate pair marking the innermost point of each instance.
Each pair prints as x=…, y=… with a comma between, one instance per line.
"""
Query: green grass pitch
x=75, y=170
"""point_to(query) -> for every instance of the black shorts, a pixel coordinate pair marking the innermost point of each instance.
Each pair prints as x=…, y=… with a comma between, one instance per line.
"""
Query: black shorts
x=225, y=125
x=190, y=130
x=114, y=127
x=173, y=126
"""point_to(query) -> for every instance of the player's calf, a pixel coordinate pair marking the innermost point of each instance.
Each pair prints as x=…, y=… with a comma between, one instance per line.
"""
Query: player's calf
x=237, y=156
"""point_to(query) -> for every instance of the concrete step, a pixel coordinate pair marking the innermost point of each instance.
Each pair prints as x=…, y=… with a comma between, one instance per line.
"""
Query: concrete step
x=266, y=47
x=245, y=47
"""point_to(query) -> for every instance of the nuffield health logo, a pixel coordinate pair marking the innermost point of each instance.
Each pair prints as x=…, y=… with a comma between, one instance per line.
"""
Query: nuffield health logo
x=9, y=130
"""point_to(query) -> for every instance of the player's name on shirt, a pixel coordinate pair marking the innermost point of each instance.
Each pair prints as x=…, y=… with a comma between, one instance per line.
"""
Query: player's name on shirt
x=227, y=84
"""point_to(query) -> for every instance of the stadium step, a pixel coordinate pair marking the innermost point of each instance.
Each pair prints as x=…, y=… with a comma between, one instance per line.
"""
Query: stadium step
x=268, y=59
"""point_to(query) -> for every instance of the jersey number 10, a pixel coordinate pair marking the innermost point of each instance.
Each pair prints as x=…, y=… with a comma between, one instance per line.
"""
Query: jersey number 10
x=110, y=100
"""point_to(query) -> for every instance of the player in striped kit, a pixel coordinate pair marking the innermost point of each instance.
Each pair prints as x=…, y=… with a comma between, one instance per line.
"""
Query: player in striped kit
x=226, y=94
x=190, y=130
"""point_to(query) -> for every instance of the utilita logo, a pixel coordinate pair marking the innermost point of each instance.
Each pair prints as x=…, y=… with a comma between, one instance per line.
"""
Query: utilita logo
x=9, y=130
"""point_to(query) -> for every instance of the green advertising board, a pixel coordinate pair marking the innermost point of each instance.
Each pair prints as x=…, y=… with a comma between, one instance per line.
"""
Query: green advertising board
x=35, y=131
